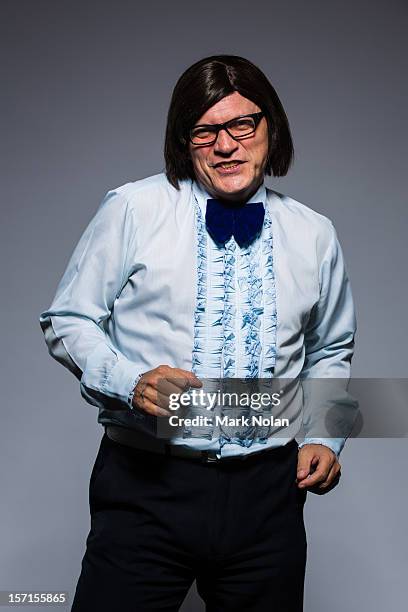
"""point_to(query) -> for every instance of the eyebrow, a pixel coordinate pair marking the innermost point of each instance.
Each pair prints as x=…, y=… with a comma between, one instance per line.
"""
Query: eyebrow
x=223, y=123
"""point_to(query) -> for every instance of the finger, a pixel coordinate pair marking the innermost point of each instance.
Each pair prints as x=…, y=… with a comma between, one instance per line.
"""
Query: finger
x=157, y=379
x=183, y=378
x=322, y=491
x=319, y=475
x=304, y=464
x=156, y=387
x=309, y=457
x=155, y=396
x=150, y=407
x=335, y=469
x=146, y=396
x=165, y=371
x=168, y=387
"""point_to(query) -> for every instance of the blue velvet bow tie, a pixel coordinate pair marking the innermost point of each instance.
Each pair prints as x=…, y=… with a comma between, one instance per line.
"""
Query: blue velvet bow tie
x=224, y=220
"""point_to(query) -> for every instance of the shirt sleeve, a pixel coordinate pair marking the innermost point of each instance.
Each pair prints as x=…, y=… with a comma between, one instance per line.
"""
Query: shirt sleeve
x=73, y=324
x=329, y=410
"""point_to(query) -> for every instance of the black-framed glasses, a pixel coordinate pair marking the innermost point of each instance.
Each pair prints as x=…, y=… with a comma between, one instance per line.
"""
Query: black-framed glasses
x=237, y=128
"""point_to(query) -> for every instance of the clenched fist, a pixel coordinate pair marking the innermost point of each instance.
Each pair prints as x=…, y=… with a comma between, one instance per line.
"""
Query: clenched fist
x=318, y=468
x=155, y=386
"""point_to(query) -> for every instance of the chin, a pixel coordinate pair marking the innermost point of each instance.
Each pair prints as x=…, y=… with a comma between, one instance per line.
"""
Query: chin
x=235, y=192
x=232, y=188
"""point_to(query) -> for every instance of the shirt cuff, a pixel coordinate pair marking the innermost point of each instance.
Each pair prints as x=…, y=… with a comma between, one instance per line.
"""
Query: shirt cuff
x=335, y=444
x=122, y=381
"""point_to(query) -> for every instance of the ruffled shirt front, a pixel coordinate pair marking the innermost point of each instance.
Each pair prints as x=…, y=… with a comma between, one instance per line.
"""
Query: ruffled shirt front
x=235, y=317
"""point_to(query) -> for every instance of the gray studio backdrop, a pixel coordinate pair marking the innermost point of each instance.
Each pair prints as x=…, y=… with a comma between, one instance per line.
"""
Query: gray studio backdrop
x=85, y=91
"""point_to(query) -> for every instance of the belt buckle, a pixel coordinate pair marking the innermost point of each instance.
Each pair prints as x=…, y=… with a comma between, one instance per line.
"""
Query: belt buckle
x=210, y=456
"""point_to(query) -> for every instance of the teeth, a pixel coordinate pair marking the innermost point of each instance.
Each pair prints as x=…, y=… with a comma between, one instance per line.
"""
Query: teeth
x=228, y=164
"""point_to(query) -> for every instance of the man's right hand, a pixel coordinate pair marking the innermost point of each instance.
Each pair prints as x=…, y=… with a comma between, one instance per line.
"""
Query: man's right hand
x=155, y=386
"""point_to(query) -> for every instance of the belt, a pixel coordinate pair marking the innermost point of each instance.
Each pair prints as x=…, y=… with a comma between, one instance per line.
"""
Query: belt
x=139, y=441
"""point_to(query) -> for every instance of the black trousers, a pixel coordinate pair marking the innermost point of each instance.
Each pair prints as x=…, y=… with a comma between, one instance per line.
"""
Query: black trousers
x=159, y=522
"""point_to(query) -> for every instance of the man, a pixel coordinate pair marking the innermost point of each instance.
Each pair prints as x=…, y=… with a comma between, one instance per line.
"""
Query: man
x=182, y=279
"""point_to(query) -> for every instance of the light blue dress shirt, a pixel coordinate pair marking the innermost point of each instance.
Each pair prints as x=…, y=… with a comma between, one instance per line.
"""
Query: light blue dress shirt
x=146, y=285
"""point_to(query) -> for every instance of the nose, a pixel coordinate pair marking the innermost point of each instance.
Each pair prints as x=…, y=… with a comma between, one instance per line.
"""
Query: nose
x=225, y=143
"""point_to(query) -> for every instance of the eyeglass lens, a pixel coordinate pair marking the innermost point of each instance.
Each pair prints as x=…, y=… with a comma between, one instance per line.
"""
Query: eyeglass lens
x=238, y=128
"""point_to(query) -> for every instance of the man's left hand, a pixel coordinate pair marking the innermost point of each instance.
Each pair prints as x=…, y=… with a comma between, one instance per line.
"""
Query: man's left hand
x=318, y=469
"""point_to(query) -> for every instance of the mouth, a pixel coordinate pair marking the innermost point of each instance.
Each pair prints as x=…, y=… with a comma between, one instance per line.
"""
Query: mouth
x=228, y=166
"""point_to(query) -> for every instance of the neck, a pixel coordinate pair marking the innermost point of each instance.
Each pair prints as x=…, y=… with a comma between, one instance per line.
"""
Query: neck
x=235, y=198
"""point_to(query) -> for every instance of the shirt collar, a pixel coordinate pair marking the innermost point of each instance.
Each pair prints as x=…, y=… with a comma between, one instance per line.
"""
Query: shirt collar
x=202, y=196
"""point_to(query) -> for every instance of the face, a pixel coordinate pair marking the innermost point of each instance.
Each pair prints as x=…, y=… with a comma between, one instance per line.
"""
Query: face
x=212, y=163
